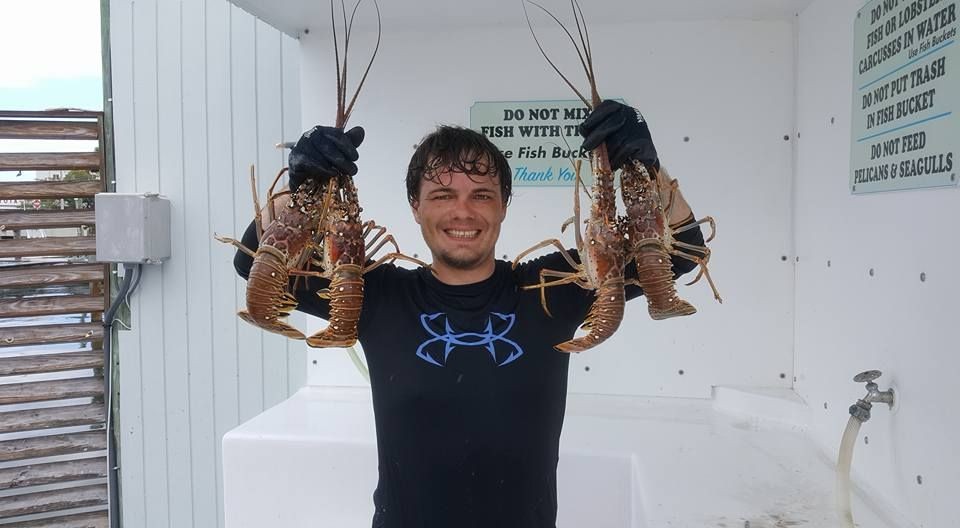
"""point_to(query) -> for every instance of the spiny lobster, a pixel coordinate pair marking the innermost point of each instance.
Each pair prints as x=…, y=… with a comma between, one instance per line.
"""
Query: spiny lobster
x=318, y=227
x=609, y=241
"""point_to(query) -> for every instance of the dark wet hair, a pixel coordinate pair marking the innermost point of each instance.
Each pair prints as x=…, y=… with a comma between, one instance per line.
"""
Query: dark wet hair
x=459, y=149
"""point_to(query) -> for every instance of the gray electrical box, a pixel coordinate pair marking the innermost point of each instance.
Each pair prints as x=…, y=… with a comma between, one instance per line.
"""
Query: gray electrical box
x=132, y=228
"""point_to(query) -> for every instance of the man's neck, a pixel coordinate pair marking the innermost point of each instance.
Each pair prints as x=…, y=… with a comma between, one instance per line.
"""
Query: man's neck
x=458, y=277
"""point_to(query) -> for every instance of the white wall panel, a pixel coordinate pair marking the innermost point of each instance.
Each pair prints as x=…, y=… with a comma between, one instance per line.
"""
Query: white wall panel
x=725, y=85
x=220, y=184
x=849, y=321
x=149, y=299
x=202, y=439
x=176, y=314
x=199, y=88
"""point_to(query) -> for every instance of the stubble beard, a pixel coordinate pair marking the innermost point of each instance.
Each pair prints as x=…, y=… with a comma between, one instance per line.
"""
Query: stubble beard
x=464, y=263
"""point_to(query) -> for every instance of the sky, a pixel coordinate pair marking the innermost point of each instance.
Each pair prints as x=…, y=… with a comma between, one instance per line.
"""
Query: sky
x=50, y=59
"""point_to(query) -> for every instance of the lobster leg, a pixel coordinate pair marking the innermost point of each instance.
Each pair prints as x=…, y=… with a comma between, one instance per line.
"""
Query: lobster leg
x=304, y=273
x=273, y=185
x=386, y=240
x=705, y=219
x=370, y=225
x=551, y=241
x=563, y=277
x=390, y=257
x=700, y=249
x=271, y=202
x=236, y=243
x=256, y=203
x=702, y=262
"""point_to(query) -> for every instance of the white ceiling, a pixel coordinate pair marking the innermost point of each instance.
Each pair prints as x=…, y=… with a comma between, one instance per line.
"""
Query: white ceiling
x=293, y=16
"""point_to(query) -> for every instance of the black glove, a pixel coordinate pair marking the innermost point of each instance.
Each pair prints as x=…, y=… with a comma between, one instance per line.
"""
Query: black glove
x=624, y=131
x=324, y=152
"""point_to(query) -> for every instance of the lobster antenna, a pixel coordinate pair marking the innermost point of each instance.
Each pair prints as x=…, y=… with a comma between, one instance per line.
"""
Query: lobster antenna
x=575, y=163
x=576, y=200
x=576, y=20
x=336, y=55
x=375, y=49
x=581, y=50
x=343, y=70
x=588, y=51
x=544, y=53
x=346, y=26
x=256, y=203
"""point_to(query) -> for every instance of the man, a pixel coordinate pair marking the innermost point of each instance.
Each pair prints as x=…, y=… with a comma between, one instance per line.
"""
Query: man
x=468, y=391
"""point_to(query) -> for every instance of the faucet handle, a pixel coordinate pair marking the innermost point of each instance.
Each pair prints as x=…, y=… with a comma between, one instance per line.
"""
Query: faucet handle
x=868, y=376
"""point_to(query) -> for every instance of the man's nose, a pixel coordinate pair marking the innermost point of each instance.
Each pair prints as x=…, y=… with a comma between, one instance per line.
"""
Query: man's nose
x=463, y=208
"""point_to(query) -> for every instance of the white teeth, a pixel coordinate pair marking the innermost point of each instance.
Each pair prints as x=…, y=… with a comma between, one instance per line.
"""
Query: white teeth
x=462, y=234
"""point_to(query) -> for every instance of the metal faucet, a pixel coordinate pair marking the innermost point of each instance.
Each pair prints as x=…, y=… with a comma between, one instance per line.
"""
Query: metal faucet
x=861, y=409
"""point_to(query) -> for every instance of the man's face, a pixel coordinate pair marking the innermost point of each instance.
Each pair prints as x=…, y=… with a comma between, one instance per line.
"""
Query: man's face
x=460, y=216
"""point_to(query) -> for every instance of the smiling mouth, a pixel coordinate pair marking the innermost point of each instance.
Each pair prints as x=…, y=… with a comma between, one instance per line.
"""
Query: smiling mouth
x=462, y=234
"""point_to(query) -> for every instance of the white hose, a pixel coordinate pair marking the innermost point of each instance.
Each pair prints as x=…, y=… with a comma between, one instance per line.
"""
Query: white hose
x=844, y=460
x=357, y=362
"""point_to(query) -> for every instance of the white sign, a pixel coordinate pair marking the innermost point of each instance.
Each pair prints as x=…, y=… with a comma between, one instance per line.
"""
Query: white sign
x=538, y=138
x=905, y=131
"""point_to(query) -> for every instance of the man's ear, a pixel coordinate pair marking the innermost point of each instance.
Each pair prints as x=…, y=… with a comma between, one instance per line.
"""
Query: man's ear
x=415, y=208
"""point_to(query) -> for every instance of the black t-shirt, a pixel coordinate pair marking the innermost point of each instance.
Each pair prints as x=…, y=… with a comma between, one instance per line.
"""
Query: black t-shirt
x=468, y=395
x=468, y=392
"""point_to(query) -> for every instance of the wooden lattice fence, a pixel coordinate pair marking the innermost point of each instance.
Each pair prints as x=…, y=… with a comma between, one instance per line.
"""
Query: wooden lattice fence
x=53, y=439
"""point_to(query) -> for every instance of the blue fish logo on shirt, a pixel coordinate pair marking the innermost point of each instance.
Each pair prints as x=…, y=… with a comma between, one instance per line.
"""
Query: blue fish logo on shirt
x=493, y=338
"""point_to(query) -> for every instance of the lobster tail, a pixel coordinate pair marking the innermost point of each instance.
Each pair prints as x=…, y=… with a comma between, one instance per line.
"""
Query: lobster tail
x=655, y=276
x=268, y=302
x=602, y=320
x=346, y=300
x=646, y=225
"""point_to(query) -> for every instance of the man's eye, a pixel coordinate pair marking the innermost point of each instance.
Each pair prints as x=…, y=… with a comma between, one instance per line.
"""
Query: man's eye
x=441, y=197
x=484, y=197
